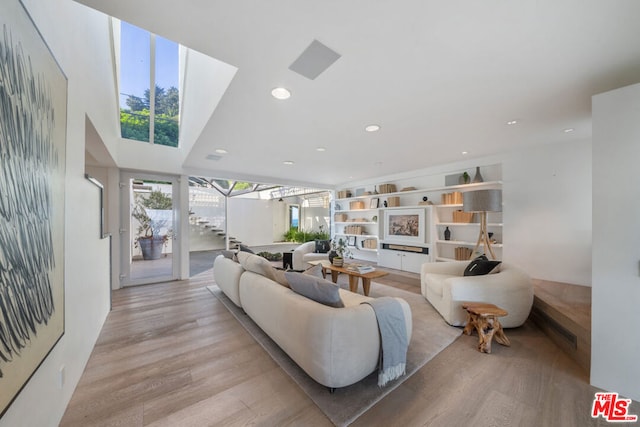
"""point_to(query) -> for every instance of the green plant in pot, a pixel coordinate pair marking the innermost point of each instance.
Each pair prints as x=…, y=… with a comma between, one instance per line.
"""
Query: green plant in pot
x=153, y=214
x=339, y=251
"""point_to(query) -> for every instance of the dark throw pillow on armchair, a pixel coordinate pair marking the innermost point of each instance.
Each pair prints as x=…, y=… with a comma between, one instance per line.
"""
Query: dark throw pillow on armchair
x=480, y=266
x=323, y=246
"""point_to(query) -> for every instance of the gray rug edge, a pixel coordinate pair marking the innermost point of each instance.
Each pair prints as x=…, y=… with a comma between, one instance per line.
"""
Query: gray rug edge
x=331, y=404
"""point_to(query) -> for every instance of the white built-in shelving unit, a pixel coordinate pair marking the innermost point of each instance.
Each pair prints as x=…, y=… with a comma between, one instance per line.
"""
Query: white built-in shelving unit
x=438, y=217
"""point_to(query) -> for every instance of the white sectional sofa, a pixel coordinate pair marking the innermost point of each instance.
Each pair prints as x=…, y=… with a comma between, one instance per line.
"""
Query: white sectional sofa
x=305, y=253
x=445, y=287
x=336, y=347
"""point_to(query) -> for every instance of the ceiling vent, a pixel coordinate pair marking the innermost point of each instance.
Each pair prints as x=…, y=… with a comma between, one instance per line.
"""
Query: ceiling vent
x=214, y=157
x=314, y=60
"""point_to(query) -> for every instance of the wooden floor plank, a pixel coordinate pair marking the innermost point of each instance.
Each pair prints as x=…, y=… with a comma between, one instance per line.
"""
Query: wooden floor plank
x=172, y=355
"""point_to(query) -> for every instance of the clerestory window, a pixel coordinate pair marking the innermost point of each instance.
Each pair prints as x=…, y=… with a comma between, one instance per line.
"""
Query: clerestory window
x=149, y=112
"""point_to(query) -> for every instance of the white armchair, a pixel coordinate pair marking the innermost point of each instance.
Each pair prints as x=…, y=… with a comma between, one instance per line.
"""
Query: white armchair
x=305, y=253
x=445, y=287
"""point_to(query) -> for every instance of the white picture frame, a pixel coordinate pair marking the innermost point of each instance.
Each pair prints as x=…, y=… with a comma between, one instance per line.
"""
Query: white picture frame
x=405, y=226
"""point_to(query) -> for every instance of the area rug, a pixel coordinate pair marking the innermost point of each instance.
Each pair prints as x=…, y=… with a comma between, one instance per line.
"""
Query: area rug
x=430, y=336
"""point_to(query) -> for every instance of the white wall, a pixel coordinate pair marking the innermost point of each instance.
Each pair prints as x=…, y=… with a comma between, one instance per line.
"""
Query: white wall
x=616, y=252
x=280, y=222
x=251, y=220
x=79, y=39
x=205, y=81
x=547, y=211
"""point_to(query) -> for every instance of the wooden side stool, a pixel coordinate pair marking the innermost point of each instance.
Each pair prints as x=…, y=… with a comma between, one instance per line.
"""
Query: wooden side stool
x=484, y=318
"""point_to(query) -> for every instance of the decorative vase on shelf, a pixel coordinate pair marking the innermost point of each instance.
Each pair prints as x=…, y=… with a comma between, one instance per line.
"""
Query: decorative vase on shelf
x=447, y=234
x=478, y=177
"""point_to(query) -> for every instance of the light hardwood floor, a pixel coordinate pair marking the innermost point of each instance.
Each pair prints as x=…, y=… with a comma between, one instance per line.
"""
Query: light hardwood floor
x=172, y=355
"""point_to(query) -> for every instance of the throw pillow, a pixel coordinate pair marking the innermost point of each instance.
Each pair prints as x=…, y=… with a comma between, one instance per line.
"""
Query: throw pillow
x=280, y=278
x=315, y=271
x=231, y=255
x=244, y=248
x=243, y=258
x=259, y=265
x=323, y=246
x=480, y=266
x=315, y=288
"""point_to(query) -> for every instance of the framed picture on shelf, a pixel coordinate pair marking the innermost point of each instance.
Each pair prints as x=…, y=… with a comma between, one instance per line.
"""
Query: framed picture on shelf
x=351, y=241
x=405, y=225
x=375, y=203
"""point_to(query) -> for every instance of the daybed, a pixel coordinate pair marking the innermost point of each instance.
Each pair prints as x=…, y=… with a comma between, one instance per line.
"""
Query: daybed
x=335, y=346
x=445, y=287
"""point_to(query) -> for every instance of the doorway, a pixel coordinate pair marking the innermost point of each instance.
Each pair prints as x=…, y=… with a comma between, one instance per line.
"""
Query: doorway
x=149, y=228
x=294, y=216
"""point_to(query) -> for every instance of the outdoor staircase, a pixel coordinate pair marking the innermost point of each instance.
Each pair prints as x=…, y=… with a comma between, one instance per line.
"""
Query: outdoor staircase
x=217, y=230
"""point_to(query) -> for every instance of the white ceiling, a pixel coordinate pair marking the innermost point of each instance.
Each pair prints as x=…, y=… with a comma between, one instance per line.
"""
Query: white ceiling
x=439, y=77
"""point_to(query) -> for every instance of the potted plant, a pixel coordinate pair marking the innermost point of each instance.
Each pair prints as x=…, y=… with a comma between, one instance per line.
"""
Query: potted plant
x=339, y=251
x=153, y=214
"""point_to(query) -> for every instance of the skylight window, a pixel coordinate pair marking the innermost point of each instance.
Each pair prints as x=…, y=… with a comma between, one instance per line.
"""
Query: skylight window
x=149, y=113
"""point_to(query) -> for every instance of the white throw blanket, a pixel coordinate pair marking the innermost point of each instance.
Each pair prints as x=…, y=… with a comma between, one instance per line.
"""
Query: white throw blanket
x=393, y=338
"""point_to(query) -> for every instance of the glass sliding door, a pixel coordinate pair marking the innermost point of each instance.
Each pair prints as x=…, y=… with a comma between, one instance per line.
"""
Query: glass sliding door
x=148, y=233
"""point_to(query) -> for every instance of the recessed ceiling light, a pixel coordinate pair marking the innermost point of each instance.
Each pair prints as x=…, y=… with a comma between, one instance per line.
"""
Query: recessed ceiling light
x=512, y=122
x=372, y=128
x=288, y=162
x=569, y=130
x=321, y=149
x=280, y=93
x=221, y=151
x=464, y=153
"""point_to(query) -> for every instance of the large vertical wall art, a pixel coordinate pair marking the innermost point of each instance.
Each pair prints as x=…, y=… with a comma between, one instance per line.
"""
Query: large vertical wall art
x=33, y=116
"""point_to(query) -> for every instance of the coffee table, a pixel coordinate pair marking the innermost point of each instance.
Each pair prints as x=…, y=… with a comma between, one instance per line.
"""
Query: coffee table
x=353, y=275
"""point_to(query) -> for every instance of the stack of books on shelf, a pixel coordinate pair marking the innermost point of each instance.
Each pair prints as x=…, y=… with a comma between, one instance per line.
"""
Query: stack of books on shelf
x=353, y=229
x=370, y=244
x=361, y=268
x=462, y=253
x=454, y=198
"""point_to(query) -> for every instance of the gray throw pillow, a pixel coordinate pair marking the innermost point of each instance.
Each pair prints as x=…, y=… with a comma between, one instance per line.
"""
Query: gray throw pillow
x=315, y=288
x=231, y=255
x=259, y=265
x=244, y=248
x=315, y=271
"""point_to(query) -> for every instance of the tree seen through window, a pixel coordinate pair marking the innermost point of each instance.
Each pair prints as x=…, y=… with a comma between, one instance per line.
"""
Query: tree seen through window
x=138, y=104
